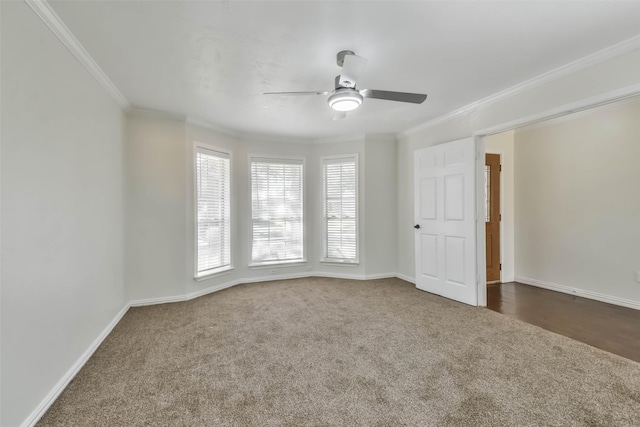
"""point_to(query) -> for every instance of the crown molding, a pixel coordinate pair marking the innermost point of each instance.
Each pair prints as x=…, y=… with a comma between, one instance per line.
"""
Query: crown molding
x=579, y=112
x=627, y=93
x=246, y=136
x=156, y=113
x=55, y=24
x=274, y=138
x=339, y=139
x=590, y=60
x=147, y=112
x=212, y=126
x=381, y=137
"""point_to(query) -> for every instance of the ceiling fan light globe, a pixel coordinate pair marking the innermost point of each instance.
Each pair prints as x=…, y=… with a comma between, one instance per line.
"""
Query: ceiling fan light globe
x=345, y=105
x=345, y=100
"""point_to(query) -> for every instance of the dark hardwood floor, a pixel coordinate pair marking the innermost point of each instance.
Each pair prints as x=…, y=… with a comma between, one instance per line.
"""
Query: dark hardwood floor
x=609, y=327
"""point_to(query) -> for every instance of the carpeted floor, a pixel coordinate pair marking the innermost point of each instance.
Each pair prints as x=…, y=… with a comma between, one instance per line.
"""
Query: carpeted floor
x=339, y=352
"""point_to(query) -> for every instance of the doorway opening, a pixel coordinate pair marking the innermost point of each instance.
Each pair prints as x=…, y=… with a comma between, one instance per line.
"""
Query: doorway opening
x=569, y=180
x=492, y=217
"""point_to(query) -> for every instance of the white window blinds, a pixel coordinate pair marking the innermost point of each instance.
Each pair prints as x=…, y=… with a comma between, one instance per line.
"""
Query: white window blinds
x=213, y=227
x=277, y=210
x=340, y=209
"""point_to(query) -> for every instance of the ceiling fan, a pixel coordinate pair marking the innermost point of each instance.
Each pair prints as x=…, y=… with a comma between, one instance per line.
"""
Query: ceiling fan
x=346, y=97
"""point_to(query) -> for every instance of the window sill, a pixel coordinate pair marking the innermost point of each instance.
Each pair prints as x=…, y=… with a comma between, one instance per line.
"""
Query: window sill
x=340, y=263
x=214, y=273
x=279, y=264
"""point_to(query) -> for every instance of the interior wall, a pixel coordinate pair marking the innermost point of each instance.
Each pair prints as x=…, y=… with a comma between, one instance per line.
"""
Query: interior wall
x=160, y=217
x=613, y=74
x=576, y=201
x=155, y=207
x=503, y=144
x=380, y=204
x=61, y=222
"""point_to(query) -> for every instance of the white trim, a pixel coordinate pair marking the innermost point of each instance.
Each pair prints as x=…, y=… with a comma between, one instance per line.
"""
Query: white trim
x=286, y=139
x=609, y=299
x=277, y=264
x=211, y=126
x=339, y=139
x=270, y=278
x=337, y=263
x=218, y=273
x=184, y=297
x=72, y=372
x=406, y=278
x=480, y=228
x=600, y=56
x=249, y=137
x=42, y=408
x=616, y=95
x=147, y=112
x=381, y=137
x=55, y=24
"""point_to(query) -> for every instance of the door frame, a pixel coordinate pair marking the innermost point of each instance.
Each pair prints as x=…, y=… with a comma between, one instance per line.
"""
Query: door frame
x=562, y=110
x=481, y=255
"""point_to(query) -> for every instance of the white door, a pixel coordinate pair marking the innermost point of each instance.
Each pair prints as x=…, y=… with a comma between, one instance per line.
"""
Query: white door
x=445, y=187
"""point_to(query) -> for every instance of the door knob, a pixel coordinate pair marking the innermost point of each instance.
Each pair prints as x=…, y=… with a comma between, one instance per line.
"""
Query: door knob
x=416, y=226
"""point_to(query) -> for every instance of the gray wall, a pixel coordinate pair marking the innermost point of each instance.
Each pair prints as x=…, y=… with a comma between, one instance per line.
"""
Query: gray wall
x=160, y=224
x=67, y=153
x=577, y=202
x=61, y=174
x=604, y=77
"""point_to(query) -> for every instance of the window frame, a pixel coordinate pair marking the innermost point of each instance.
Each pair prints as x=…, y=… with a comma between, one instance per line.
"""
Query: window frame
x=340, y=261
x=278, y=263
x=227, y=268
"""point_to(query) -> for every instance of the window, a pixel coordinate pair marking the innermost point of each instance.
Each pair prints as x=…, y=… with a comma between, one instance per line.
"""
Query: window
x=340, y=209
x=213, y=222
x=277, y=211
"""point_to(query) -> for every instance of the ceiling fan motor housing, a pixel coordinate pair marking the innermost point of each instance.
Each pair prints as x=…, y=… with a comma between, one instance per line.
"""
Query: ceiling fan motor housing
x=345, y=99
x=340, y=56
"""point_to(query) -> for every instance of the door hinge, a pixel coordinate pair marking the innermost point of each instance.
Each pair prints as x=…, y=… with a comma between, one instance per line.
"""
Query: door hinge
x=500, y=217
x=500, y=266
x=500, y=168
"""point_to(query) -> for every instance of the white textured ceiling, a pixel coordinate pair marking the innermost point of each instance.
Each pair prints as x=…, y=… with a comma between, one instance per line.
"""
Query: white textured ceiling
x=213, y=60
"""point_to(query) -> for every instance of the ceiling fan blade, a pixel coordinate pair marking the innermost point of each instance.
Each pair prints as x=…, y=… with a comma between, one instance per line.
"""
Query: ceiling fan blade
x=337, y=115
x=352, y=67
x=319, y=92
x=414, y=98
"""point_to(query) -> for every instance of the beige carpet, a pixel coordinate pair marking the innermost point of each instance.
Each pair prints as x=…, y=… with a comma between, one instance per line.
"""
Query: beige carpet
x=340, y=352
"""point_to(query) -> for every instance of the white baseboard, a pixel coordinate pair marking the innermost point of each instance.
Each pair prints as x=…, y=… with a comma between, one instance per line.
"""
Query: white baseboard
x=406, y=278
x=71, y=373
x=380, y=276
x=216, y=288
x=225, y=285
x=580, y=292
x=184, y=297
